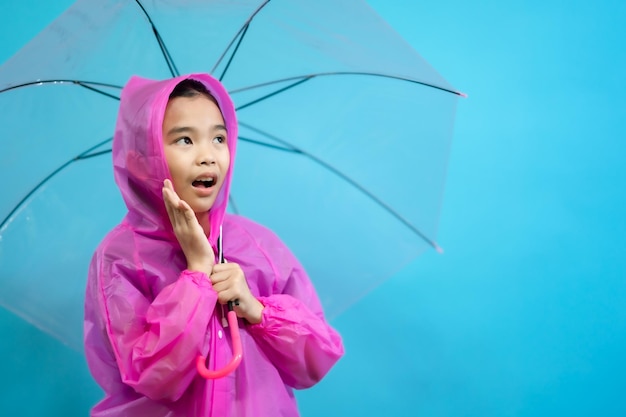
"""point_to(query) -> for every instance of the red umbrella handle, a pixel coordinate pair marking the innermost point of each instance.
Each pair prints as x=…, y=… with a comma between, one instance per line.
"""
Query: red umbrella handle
x=237, y=350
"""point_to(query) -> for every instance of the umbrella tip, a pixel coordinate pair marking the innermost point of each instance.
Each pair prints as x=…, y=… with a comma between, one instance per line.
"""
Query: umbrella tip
x=438, y=248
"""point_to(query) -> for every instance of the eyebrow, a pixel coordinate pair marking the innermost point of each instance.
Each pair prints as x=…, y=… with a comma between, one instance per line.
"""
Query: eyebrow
x=185, y=129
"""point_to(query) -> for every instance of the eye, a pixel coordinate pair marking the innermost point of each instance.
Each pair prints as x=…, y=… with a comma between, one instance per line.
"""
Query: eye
x=183, y=141
x=219, y=139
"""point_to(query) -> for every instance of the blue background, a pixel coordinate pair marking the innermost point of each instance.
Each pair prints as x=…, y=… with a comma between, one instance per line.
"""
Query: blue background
x=525, y=313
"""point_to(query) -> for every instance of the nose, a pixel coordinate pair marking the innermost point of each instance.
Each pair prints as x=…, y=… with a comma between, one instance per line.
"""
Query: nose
x=206, y=155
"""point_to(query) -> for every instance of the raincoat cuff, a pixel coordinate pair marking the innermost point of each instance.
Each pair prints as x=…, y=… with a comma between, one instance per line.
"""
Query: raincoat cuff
x=199, y=278
x=270, y=309
x=277, y=311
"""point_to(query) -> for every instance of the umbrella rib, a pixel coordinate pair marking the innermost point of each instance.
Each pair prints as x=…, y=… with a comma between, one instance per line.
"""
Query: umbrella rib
x=31, y=192
x=244, y=27
x=93, y=154
x=265, y=97
x=326, y=74
x=83, y=155
x=85, y=84
x=96, y=146
x=104, y=93
x=230, y=60
x=269, y=145
x=166, y=54
x=324, y=164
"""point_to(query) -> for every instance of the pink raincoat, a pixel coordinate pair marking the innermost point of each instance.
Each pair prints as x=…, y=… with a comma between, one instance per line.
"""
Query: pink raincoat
x=147, y=318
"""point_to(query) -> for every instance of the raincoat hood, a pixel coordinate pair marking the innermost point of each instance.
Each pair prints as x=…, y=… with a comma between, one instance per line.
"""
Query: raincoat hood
x=139, y=160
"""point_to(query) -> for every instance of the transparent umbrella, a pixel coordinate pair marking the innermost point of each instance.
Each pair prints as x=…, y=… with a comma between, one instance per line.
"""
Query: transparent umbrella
x=344, y=139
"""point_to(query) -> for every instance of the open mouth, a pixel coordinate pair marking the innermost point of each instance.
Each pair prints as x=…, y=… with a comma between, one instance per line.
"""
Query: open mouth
x=204, y=182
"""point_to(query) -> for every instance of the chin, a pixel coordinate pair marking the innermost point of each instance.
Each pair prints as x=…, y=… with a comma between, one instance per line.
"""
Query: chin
x=201, y=208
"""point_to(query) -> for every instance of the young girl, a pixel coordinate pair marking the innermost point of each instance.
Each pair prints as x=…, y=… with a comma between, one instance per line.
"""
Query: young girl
x=156, y=294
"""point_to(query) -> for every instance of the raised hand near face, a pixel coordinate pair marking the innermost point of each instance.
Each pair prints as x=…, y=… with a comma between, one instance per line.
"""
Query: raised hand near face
x=230, y=283
x=190, y=235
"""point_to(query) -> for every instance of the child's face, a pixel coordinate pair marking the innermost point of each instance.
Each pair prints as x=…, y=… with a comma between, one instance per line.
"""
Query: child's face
x=196, y=150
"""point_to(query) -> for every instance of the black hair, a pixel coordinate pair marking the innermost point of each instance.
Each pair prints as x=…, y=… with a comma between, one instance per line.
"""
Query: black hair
x=191, y=88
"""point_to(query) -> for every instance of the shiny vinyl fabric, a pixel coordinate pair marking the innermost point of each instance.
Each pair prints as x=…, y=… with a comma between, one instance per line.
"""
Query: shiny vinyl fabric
x=147, y=318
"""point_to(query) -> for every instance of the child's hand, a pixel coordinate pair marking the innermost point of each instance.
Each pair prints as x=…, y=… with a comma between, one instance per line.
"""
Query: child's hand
x=230, y=283
x=193, y=241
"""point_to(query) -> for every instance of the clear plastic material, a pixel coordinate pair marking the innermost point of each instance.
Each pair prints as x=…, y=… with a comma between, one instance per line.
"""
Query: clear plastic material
x=344, y=139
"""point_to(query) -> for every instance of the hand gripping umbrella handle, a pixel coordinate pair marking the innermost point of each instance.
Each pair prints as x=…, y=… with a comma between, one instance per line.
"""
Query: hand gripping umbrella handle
x=237, y=351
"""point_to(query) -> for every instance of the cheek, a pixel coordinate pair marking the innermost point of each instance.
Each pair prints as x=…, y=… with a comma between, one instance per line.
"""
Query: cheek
x=174, y=169
x=168, y=159
x=223, y=160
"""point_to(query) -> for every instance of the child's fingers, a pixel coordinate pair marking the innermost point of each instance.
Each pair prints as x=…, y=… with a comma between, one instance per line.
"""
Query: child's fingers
x=224, y=267
x=170, y=206
x=169, y=195
x=188, y=214
x=217, y=277
x=177, y=209
x=167, y=199
x=182, y=216
x=224, y=272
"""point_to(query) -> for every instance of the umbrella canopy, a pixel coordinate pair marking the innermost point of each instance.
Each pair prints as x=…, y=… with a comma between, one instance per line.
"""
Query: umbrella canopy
x=344, y=138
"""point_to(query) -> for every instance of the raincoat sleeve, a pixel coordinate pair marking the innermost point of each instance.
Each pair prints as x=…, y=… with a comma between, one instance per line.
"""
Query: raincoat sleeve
x=293, y=332
x=155, y=341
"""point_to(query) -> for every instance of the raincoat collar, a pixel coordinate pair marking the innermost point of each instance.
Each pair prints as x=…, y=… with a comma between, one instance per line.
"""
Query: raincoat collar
x=138, y=158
